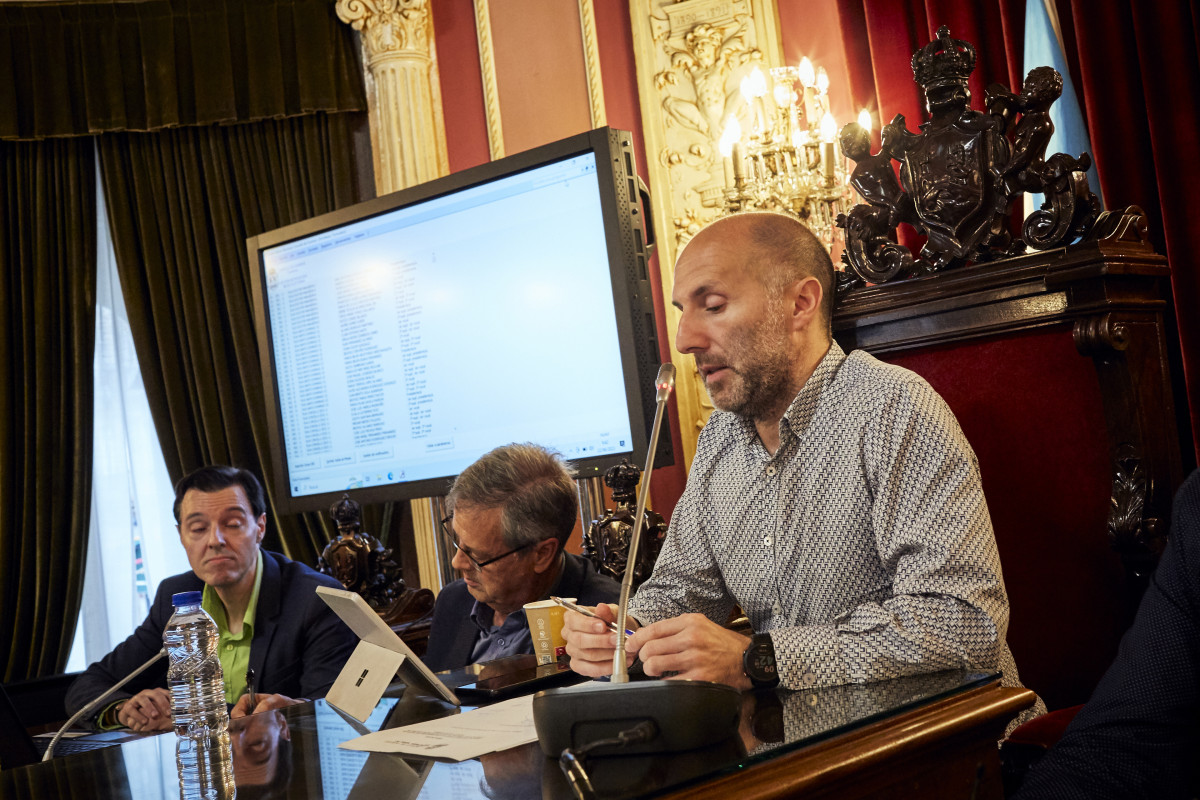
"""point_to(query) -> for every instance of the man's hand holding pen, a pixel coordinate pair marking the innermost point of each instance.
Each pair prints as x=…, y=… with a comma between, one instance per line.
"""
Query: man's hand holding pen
x=591, y=640
x=251, y=702
x=689, y=646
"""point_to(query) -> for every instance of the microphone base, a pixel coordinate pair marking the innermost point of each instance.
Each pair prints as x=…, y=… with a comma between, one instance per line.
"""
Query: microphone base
x=688, y=714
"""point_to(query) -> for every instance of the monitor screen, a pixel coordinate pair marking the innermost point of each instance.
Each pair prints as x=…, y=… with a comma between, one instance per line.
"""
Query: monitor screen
x=404, y=337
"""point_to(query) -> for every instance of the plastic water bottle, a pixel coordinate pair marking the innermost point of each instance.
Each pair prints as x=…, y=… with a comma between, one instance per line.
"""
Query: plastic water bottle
x=197, y=685
x=194, y=676
x=205, y=766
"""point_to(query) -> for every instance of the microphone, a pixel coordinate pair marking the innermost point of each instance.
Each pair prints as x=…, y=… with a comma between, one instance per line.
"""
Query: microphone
x=683, y=714
x=92, y=706
x=665, y=382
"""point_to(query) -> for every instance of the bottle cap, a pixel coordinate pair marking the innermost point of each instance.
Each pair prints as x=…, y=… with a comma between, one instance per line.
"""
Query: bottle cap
x=186, y=599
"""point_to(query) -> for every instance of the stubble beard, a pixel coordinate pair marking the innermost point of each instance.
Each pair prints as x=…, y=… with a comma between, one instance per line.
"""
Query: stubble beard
x=760, y=366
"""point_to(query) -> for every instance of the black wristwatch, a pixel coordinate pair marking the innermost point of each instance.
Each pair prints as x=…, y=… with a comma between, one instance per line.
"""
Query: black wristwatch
x=759, y=662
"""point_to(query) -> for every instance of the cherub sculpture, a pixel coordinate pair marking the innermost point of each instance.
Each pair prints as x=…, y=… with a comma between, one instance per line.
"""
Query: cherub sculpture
x=887, y=205
x=708, y=60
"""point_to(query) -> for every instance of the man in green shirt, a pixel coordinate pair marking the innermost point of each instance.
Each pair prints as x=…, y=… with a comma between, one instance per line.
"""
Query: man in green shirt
x=270, y=620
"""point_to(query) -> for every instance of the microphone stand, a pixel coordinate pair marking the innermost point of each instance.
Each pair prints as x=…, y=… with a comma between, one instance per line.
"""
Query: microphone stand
x=665, y=383
x=92, y=706
x=666, y=716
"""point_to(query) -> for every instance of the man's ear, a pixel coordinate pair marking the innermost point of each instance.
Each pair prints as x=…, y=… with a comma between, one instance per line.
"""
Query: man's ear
x=804, y=298
x=262, y=527
x=545, y=553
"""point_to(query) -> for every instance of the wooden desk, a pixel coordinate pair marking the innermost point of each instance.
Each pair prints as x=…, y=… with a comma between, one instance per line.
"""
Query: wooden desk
x=945, y=749
x=927, y=736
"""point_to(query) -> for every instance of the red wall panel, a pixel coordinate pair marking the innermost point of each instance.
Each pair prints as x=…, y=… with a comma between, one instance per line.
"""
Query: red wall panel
x=461, y=84
x=1030, y=406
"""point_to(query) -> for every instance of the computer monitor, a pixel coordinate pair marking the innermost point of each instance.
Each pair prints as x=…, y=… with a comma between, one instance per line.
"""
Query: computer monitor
x=403, y=337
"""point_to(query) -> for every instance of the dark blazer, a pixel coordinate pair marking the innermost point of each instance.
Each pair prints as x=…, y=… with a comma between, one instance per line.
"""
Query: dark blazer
x=453, y=635
x=299, y=644
x=1139, y=735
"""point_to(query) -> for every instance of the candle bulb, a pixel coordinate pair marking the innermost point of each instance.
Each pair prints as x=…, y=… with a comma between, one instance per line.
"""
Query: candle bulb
x=864, y=119
x=808, y=80
x=808, y=76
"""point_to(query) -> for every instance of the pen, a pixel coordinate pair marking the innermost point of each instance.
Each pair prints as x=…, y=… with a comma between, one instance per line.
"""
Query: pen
x=250, y=690
x=612, y=626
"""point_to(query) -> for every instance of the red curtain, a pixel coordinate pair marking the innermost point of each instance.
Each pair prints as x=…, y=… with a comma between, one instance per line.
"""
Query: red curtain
x=1139, y=82
x=1136, y=69
x=880, y=37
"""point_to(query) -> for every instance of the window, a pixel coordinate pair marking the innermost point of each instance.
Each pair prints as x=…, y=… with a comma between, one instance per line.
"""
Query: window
x=132, y=543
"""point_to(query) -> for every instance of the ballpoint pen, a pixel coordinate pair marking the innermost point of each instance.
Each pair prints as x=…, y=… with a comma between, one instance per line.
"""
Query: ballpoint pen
x=250, y=690
x=612, y=626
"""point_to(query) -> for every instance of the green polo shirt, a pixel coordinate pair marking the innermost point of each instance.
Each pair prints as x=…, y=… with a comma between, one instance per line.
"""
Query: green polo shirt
x=234, y=651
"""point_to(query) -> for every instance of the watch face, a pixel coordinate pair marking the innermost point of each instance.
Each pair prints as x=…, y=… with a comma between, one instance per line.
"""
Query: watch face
x=760, y=662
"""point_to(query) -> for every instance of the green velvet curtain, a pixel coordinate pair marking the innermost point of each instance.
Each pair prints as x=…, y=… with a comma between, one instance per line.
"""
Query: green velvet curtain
x=48, y=307
x=96, y=66
x=182, y=203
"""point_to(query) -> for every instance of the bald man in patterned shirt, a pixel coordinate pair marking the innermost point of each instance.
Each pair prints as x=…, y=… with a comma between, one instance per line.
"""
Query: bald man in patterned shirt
x=833, y=497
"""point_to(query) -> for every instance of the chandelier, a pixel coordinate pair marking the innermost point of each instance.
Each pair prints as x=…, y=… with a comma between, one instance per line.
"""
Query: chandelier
x=786, y=157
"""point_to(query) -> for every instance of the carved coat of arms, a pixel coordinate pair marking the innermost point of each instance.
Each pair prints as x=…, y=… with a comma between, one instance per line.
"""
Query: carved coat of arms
x=960, y=175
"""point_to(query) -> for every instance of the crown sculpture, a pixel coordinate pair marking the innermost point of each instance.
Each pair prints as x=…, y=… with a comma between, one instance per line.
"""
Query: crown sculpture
x=960, y=175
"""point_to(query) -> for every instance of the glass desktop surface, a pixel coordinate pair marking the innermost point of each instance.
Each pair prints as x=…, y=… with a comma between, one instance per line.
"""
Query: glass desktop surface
x=297, y=750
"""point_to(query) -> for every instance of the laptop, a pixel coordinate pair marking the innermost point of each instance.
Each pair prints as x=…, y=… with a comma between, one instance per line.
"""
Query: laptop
x=379, y=656
x=18, y=748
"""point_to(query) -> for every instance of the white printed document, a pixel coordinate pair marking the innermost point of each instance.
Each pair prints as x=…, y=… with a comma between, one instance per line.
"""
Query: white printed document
x=458, y=737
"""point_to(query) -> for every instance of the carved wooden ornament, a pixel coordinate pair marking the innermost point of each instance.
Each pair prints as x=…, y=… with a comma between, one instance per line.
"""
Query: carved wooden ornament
x=961, y=174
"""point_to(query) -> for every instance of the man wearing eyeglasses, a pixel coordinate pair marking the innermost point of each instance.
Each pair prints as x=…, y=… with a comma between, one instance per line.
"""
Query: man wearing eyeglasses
x=510, y=515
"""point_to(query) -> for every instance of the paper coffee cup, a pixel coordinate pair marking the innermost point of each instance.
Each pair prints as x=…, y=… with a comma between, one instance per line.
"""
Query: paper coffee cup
x=545, y=626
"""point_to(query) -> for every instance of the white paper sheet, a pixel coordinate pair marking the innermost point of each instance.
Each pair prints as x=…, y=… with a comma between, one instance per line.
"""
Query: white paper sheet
x=458, y=737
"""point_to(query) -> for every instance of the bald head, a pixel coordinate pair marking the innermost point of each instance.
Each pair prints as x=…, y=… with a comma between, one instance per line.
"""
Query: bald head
x=753, y=292
x=784, y=251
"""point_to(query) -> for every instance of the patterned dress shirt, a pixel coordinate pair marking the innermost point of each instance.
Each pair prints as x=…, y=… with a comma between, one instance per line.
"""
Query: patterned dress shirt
x=863, y=546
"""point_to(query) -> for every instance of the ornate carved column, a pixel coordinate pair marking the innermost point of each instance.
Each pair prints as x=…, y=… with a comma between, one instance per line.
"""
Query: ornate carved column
x=408, y=141
x=691, y=56
x=408, y=134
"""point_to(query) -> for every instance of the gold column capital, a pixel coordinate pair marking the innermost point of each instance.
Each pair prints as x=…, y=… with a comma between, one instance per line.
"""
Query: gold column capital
x=408, y=136
x=389, y=27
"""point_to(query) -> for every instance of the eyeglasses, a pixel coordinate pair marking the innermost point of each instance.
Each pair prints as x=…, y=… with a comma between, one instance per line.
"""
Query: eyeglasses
x=453, y=539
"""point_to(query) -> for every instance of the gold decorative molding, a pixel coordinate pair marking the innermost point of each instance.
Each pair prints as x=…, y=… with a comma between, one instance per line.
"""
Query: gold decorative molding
x=591, y=57
x=487, y=67
x=691, y=56
x=404, y=99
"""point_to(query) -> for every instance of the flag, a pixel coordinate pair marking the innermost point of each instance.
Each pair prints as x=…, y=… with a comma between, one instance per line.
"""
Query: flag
x=1043, y=47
